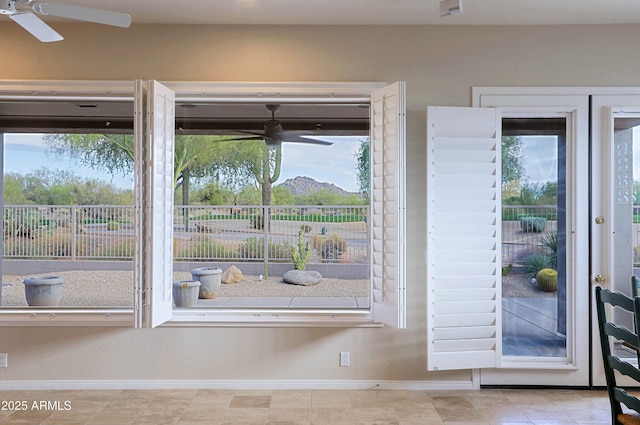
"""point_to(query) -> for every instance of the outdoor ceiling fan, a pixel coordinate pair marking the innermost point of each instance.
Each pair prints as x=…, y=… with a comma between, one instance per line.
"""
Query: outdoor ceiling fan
x=274, y=135
x=22, y=13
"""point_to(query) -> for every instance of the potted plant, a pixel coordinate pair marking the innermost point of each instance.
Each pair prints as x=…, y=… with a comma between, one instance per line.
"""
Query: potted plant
x=43, y=290
x=185, y=293
x=210, y=279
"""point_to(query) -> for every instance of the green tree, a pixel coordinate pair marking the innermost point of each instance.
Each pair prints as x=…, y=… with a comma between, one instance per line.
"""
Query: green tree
x=213, y=194
x=282, y=196
x=362, y=166
x=235, y=162
x=513, y=157
x=61, y=187
x=14, y=190
x=250, y=195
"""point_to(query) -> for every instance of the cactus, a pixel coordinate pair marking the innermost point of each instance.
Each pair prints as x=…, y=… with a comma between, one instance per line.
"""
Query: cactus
x=547, y=280
x=301, y=254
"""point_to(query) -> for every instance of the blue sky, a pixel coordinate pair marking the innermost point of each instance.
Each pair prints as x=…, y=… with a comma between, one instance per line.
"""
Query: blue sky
x=333, y=164
x=541, y=158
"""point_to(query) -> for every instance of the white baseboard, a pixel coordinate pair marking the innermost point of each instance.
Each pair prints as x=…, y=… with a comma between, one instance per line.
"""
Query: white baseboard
x=234, y=385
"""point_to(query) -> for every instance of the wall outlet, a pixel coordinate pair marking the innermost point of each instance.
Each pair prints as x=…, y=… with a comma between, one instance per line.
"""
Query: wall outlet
x=344, y=359
x=3, y=359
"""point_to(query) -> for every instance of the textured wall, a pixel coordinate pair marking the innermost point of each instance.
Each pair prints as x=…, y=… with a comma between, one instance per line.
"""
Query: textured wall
x=440, y=65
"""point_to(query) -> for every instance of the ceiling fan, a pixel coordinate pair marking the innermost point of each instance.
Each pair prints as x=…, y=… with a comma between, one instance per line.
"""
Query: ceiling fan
x=274, y=135
x=22, y=13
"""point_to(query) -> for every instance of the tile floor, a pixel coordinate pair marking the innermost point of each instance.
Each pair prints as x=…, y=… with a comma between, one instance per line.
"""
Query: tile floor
x=306, y=407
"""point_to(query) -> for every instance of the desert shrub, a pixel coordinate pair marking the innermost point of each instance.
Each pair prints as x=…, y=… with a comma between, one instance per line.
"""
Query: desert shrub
x=113, y=225
x=207, y=249
x=20, y=247
x=536, y=262
x=253, y=248
x=121, y=250
x=58, y=245
x=330, y=248
x=550, y=242
x=22, y=226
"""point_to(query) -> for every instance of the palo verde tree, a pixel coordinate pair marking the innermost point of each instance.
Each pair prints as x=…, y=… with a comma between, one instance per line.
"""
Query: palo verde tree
x=235, y=162
x=195, y=156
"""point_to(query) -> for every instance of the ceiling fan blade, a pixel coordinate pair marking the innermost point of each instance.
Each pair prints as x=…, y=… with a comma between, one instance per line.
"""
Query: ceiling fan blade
x=307, y=141
x=241, y=138
x=36, y=26
x=84, y=14
x=298, y=137
x=253, y=133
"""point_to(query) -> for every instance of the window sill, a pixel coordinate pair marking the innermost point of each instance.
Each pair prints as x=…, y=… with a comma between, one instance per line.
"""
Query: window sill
x=191, y=318
x=66, y=317
x=273, y=318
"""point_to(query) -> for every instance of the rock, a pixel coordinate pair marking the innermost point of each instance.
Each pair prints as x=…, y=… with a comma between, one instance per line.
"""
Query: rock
x=232, y=275
x=302, y=277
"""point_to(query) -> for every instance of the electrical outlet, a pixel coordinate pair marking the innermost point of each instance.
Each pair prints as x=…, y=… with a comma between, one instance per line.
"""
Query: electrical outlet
x=344, y=359
x=3, y=359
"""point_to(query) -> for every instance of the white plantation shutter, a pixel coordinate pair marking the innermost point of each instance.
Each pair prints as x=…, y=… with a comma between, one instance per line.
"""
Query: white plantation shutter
x=463, y=238
x=388, y=205
x=154, y=196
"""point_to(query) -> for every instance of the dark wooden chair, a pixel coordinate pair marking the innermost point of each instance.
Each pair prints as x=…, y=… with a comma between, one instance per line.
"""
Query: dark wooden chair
x=606, y=301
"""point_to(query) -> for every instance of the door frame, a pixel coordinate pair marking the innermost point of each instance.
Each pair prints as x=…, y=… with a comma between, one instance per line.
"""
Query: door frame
x=604, y=107
x=574, y=370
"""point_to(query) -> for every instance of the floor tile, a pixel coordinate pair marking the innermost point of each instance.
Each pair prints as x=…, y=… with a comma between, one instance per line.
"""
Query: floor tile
x=316, y=407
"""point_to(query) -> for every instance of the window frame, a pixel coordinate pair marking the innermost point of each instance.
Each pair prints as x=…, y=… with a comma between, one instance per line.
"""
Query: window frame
x=214, y=92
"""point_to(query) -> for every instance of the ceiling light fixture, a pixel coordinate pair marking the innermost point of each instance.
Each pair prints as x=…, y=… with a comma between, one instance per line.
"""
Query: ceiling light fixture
x=450, y=7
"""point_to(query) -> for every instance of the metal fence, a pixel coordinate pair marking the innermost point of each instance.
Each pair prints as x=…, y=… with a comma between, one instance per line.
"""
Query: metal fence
x=336, y=234
x=523, y=230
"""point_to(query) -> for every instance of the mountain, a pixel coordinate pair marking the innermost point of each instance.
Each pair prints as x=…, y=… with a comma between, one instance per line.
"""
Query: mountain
x=302, y=185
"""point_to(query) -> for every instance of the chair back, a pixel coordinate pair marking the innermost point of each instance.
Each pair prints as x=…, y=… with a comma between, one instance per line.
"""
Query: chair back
x=606, y=302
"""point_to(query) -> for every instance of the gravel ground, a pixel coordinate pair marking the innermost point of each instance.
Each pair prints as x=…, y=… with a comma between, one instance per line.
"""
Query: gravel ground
x=115, y=288
x=518, y=285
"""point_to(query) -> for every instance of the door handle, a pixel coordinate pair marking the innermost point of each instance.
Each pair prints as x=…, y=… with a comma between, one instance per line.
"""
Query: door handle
x=600, y=278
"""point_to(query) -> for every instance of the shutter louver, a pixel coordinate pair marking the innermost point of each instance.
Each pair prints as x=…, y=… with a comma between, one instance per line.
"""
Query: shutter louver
x=388, y=205
x=155, y=165
x=463, y=238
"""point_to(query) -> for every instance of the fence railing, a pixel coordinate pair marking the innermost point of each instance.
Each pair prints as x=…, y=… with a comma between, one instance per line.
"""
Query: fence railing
x=233, y=233
x=523, y=229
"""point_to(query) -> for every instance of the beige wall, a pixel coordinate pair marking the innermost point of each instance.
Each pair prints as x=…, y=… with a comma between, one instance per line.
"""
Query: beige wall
x=440, y=65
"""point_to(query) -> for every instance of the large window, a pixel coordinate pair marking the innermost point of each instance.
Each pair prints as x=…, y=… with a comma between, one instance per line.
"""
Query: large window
x=228, y=210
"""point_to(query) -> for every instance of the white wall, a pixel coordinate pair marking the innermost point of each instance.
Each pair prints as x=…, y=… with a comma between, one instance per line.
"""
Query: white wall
x=440, y=65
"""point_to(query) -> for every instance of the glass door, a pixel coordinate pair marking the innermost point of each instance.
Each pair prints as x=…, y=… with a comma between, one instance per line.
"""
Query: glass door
x=615, y=221
x=534, y=238
x=545, y=314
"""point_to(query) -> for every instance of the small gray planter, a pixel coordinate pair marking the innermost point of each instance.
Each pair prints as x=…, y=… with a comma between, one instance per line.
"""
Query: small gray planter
x=185, y=293
x=43, y=291
x=210, y=279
